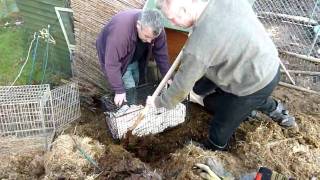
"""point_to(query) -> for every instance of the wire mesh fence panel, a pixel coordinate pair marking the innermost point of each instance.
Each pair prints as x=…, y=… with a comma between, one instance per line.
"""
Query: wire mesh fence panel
x=22, y=120
x=66, y=104
x=293, y=24
x=13, y=94
x=305, y=73
x=24, y=111
x=294, y=27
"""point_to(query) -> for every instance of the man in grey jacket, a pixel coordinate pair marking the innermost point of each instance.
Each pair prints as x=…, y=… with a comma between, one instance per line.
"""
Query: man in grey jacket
x=230, y=59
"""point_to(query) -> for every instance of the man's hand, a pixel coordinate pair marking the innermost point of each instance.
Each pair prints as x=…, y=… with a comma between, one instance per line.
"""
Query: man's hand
x=169, y=82
x=150, y=101
x=196, y=98
x=119, y=99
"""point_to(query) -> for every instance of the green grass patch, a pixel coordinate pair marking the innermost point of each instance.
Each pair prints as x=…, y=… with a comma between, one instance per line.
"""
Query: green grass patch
x=14, y=44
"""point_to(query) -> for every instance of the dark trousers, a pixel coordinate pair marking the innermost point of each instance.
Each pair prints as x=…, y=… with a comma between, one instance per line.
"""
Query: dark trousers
x=230, y=110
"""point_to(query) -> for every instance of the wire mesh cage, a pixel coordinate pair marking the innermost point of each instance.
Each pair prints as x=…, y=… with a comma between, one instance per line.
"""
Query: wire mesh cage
x=155, y=121
x=293, y=24
x=25, y=110
x=65, y=104
x=294, y=27
x=30, y=114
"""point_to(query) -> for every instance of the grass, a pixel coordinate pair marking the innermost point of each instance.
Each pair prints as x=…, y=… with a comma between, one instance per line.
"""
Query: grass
x=11, y=53
x=14, y=44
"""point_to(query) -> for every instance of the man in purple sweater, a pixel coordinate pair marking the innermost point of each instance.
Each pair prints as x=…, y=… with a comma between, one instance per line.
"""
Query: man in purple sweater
x=126, y=44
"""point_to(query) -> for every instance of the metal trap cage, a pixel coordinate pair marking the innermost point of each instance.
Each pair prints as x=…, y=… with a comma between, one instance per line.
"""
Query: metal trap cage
x=30, y=114
x=155, y=121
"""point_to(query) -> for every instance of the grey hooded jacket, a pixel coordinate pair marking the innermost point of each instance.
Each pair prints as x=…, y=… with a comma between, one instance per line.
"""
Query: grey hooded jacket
x=229, y=46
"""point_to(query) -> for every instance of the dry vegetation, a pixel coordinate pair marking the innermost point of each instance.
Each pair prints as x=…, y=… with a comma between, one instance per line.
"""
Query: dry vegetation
x=170, y=155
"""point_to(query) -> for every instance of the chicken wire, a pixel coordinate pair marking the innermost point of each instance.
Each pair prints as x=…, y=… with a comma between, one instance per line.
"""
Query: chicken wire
x=292, y=24
x=156, y=120
x=29, y=115
x=65, y=104
x=294, y=27
x=305, y=73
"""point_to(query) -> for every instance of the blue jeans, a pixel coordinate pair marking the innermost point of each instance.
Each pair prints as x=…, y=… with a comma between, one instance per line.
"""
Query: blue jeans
x=131, y=76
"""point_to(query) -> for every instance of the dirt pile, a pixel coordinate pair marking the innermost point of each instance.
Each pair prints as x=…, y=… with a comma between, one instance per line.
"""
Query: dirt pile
x=22, y=166
x=117, y=163
x=293, y=152
x=156, y=148
x=258, y=142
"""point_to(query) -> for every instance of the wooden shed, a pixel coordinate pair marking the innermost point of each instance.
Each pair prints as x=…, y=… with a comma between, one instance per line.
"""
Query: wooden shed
x=38, y=14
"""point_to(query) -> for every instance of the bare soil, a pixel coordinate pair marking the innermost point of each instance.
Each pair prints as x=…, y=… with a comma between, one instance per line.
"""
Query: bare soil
x=172, y=155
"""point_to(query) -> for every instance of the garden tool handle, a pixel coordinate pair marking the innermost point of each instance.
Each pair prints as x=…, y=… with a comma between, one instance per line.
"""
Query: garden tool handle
x=163, y=82
x=167, y=76
x=169, y=73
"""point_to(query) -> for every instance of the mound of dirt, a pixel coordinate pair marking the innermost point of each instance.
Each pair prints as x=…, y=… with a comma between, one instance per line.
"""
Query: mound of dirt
x=117, y=163
x=22, y=166
x=293, y=152
x=156, y=148
x=297, y=101
x=258, y=142
x=70, y=155
x=91, y=124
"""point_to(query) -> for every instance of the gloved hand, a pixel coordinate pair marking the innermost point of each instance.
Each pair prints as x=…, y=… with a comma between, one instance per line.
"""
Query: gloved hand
x=150, y=102
x=196, y=98
x=213, y=170
x=119, y=99
x=207, y=173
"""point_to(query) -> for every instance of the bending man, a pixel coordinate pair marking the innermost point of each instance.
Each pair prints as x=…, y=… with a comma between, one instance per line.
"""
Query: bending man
x=126, y=44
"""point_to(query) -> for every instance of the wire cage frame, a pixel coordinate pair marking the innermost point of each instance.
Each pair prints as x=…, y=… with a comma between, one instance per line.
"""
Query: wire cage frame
x=30, y=114
x=294, y=27
x=292, y=24
x=65, y=104
x=156, y=120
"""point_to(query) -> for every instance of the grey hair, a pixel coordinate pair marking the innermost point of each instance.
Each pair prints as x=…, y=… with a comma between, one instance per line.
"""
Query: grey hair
x=152, y=18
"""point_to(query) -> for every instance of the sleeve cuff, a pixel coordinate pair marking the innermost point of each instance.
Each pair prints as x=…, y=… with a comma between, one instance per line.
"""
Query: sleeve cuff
x=157, y=102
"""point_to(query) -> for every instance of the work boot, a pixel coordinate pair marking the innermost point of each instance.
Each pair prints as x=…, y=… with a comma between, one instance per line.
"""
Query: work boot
x=209, y=145
x=282, y=117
